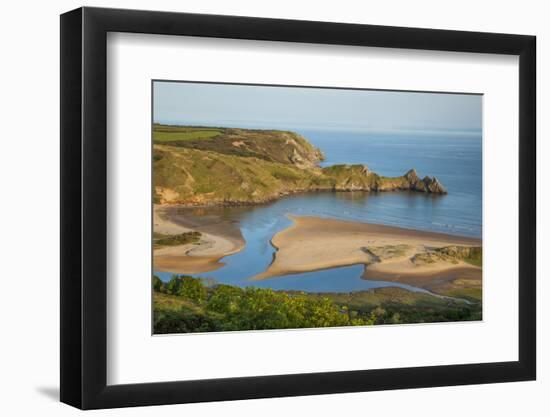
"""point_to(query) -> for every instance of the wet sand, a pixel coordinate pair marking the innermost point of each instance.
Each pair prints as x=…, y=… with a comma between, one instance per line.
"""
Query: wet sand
x=217, y=241
x=438, y=281
x=313, y=243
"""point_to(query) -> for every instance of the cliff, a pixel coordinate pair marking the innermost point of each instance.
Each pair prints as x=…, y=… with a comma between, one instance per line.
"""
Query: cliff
x=269, y=145
x=217, y=166
x=361, y=178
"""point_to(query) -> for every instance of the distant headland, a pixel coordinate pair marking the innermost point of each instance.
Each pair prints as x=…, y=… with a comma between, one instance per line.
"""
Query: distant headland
x=208, y=166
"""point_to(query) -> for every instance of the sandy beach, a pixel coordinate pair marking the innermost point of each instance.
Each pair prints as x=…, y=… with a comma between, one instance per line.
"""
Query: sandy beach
x=193, y=258
x=388, y=253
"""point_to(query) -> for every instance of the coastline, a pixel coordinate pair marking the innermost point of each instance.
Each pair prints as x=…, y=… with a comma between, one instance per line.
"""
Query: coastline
x=215, y=243
x=313, y=243
x=388, y=253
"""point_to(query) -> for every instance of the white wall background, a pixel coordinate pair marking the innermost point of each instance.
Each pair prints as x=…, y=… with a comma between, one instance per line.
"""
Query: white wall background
x=29, y=219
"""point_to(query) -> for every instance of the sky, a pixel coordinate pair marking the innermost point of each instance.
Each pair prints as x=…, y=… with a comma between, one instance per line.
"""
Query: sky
x=253, y=106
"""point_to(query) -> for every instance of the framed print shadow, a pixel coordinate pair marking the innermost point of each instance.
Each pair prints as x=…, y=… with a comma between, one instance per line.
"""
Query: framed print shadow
x=295, y=201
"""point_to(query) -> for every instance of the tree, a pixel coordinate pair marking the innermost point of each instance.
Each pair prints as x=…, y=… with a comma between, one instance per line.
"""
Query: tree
x=158, y=285
x=188, y=287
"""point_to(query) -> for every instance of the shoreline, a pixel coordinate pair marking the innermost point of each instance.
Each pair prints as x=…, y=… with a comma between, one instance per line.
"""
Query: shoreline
x=315, y=243
x=274, y=198
x=192, y=258
x=387, y=252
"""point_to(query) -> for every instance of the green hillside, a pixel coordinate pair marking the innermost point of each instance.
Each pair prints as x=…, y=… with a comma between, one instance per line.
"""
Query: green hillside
x=186, y=304
x=270, y=145
x=175, y=134
x=210, y=166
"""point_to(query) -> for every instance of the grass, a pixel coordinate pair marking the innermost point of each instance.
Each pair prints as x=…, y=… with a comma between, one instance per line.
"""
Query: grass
x=160, y=240
x=385, y=296
x=271, y=145
x=223, y=166
x=171, y=302
x=474, y=261
x=471, y=255
x=389, y=251
x=476, y=257
x=473, y=294
x=163, y=134
x=206, y=176
x=221, y=175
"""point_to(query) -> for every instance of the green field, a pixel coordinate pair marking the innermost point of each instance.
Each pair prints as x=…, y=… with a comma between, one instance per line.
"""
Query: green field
x=163, y=134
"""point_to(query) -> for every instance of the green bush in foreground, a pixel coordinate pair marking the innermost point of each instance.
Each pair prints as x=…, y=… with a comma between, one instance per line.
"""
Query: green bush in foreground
x=186, y=304
x=187, y=287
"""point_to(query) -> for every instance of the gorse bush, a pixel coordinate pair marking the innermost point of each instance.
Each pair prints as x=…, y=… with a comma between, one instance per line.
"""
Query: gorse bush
x=257, y=308
x=186, y=304
x=225, y=307
x=170, y=321
x=158, y=285
x=188, y=287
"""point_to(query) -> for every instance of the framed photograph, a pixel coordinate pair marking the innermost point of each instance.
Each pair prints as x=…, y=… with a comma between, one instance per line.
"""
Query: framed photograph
x=256, y=208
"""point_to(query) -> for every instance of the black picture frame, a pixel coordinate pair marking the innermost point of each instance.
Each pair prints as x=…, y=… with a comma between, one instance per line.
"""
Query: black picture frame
x=84, y=207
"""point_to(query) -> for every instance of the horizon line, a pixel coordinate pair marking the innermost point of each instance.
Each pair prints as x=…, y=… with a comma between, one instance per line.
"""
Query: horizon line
x=259, y=126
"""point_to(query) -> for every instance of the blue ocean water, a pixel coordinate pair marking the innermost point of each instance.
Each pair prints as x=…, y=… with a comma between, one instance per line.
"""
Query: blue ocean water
x=454, y=159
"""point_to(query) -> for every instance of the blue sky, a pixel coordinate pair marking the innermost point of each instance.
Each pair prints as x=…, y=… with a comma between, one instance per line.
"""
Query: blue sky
x=313, y=108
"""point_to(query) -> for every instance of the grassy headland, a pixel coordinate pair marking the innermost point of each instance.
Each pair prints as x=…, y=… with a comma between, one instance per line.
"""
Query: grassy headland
x=225, y=166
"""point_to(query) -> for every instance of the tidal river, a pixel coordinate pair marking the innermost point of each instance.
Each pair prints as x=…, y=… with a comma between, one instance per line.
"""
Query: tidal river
x=455, y=159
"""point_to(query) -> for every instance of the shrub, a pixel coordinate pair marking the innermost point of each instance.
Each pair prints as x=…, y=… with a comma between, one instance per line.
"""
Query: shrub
x=158, y=285
x=169, y=321
x=192, y=305
x=188, y=287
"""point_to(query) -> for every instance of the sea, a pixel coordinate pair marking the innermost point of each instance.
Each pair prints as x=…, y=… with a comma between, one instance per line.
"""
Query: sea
x=455, y=158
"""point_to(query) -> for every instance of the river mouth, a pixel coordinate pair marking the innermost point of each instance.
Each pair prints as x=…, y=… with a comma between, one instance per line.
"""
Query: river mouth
x=455, y=160
x=256, y=226
x=348, y=280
